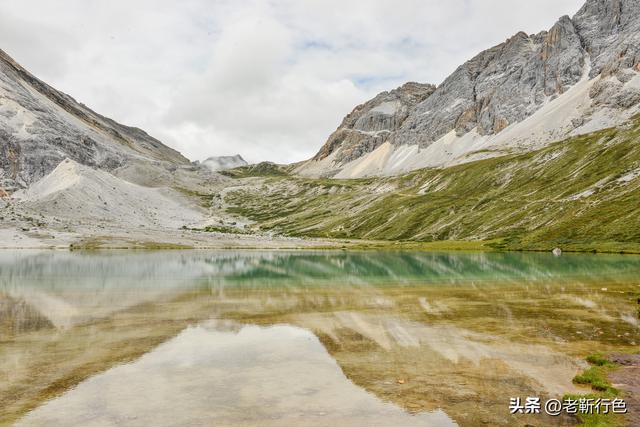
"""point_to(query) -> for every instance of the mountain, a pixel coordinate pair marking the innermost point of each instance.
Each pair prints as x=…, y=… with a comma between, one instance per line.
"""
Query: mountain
x=580, y=76
x=221, y=163
x=84, y=194
x=578, y=194
x=41, y=126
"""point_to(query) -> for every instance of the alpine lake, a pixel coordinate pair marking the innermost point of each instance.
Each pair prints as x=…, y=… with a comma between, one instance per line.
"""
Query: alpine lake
x=299, y=338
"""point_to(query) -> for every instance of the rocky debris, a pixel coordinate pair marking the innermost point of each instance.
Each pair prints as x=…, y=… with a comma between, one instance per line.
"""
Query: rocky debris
x=40, y=126
x=190, y=178
x=611, y=92
x=505, y=85
x=80, y=194
x=221, y=163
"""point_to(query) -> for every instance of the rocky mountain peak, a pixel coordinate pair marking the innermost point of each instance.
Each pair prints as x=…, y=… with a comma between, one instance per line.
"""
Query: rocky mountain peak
x=610, y=34
x=583, y=70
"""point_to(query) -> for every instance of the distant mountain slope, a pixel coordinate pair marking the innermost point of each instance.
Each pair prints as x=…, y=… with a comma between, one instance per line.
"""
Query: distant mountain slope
x=221, y=163
x=579, y=194
x=40, y=126
x=581, y=75
x=83, y=194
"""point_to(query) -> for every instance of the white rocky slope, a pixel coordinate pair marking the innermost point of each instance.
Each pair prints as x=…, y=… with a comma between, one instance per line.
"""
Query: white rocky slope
x=85, y=195
x=581, y=75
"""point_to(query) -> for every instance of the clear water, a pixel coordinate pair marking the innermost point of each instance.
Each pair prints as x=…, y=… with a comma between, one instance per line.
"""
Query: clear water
x=302, y=338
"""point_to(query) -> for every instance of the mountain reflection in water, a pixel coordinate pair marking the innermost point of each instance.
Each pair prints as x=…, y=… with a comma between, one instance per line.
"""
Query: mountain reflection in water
x=302, y=338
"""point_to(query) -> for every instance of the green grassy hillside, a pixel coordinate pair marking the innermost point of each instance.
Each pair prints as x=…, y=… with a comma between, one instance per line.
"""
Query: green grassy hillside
x=580, y=194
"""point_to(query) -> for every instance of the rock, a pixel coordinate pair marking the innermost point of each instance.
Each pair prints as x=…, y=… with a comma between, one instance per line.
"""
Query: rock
x=610, y=33
x=369, y=125
x=557, y=252
x=624, y=76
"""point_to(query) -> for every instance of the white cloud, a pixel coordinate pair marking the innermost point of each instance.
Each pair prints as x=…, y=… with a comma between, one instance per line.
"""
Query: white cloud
x=268, y=79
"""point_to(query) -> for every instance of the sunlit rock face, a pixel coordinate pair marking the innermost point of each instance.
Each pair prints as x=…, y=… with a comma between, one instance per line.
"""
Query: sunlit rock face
x=371, y=124
x=584, y=69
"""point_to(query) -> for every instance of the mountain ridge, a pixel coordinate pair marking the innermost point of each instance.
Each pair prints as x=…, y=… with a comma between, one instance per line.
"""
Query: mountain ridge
x=502, y=87
x=40, y=126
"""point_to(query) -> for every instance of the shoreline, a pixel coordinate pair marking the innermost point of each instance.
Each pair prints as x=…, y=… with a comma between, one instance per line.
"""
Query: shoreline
x=119, y=239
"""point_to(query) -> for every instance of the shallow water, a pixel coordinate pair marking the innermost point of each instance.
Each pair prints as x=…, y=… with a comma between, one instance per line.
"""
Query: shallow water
x=300, y=338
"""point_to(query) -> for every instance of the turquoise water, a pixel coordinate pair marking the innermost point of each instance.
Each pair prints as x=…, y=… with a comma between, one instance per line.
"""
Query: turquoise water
x=192, y=268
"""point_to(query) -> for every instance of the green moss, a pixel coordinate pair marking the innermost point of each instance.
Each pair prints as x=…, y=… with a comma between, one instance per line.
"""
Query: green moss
x=596, y=377
x=598, y=359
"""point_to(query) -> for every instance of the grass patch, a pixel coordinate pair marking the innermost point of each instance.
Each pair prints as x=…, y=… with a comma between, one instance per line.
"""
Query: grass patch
x=596, y=420
x=598, y=359
x=596, y=378
x=203, y=199
x=263, y=169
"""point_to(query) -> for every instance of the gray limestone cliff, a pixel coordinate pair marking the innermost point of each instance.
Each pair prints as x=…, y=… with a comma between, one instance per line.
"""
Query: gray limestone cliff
x=372, y=123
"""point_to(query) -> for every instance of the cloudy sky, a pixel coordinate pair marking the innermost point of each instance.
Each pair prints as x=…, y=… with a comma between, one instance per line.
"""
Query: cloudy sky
x=268, y=79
